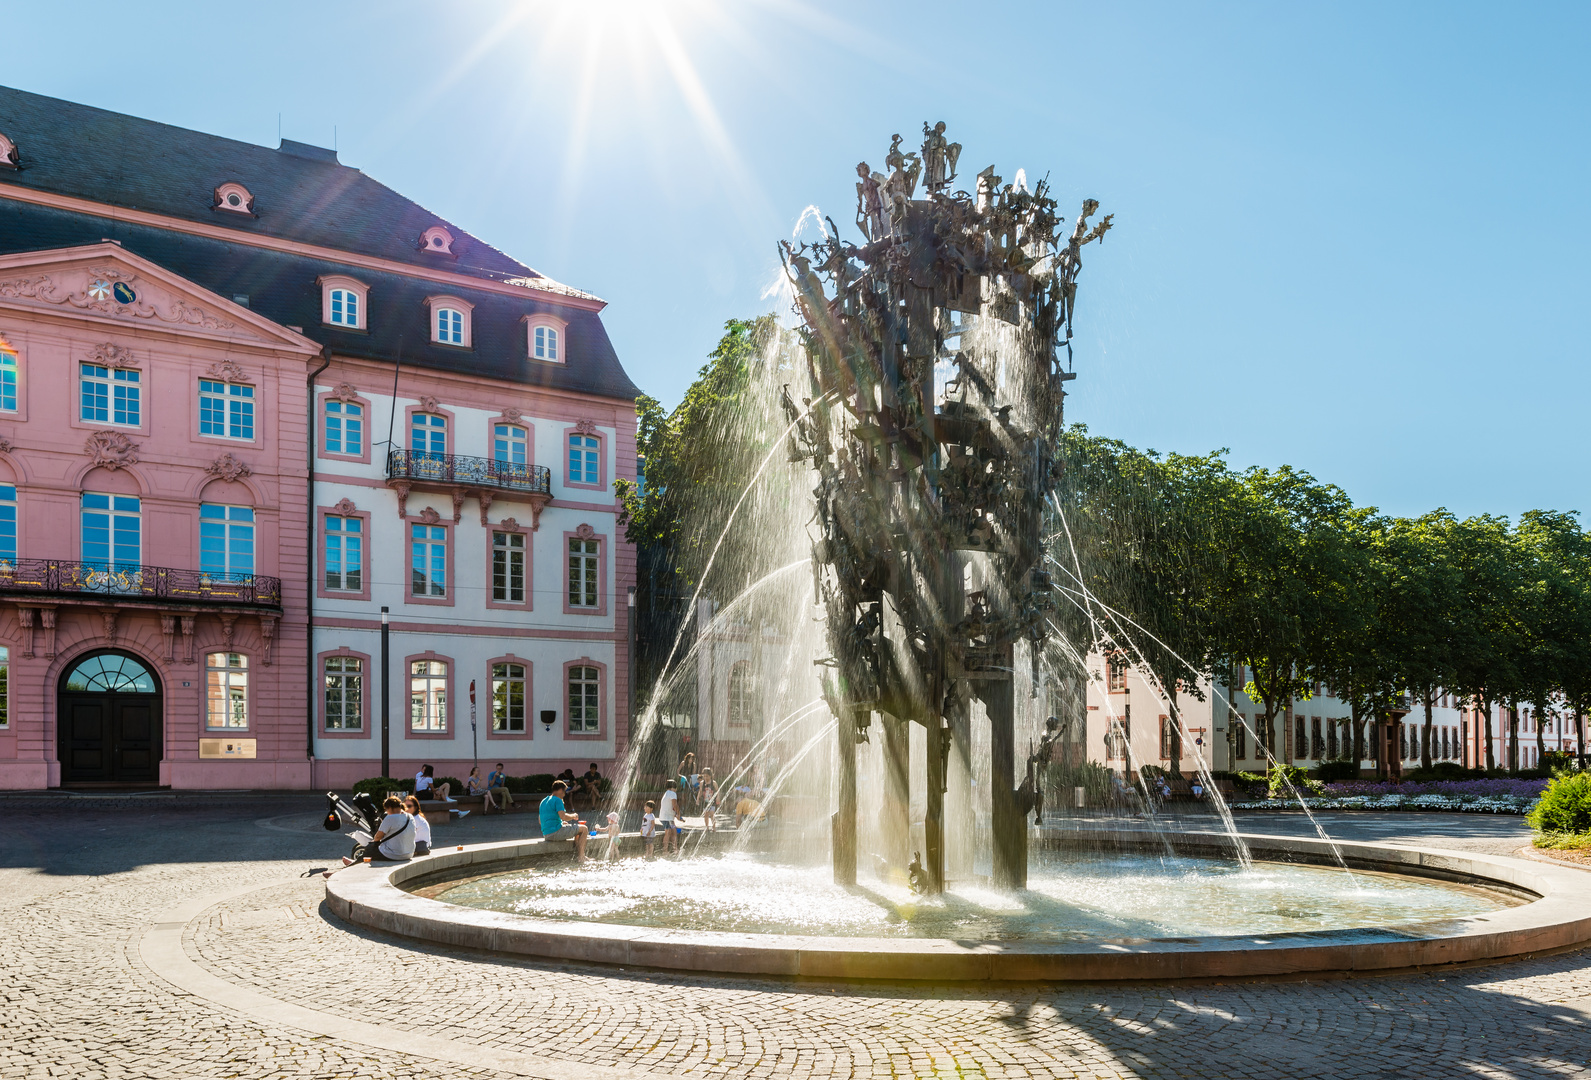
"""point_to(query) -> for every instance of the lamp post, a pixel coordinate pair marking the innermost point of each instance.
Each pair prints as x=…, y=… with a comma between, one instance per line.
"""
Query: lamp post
x=385, y=763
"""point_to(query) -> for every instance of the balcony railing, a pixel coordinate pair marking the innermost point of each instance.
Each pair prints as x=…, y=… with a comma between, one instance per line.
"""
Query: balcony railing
x=134, y=581
x=420, y=466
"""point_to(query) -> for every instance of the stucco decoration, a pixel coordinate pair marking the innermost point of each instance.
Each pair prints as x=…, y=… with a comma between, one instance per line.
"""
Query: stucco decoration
x=108, y=621
x=430, y=516
x=458, y=504
x=437, y=239
x=228, y=467
x=111, y=355
x=586, y=427
x=485, y=499
x=429, y=404
x=10, y=157
x=268, y=632
x=585, y=532
x=109, y=291
x=111, y=450
x=234, y=198
x=228, y=371
x=228, y=620
x=509, y=525
x=345, y=506
x=5, y=445
x=403, y=498
x=513, y=415
x=344, y=392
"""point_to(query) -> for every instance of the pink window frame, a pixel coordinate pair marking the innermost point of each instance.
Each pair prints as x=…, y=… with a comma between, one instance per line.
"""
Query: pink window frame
x=603, y=705
x=602, y=459
x=555, y=323
x=452, y=696
x=20, y=413
x=251, y=379
x=362, y=458
x=530, y=437
x=322, y=513
x=448, y=537
x=529, y=603
x=530, y=700
x=145, y=385
x=252, y=667
x=463, y=307
x=601, y=610
x=341, y=281
x=364, y=703
x=446, y=414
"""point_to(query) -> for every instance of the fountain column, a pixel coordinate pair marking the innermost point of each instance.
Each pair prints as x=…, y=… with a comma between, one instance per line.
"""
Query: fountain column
x=895, y=823
x=843, y=841
x=935, y=746
x=1008, y=820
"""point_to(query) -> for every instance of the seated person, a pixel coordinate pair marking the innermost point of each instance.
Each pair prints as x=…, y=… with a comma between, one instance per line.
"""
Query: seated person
x=591, y=786
x=747, y=809
x=422, y=826
x=497, y=787
x=394, y=841
x=560, y=824
x=426, y=787
x=474, y=785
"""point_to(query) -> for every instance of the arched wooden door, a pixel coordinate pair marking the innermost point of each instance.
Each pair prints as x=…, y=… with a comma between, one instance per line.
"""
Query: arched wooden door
x=110, y=720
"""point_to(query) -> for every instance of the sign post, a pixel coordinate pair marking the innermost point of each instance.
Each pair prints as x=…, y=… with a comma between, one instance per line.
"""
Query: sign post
x=475, y=753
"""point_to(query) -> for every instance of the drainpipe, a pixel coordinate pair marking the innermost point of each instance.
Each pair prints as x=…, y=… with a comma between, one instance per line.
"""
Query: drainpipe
x=309, y=562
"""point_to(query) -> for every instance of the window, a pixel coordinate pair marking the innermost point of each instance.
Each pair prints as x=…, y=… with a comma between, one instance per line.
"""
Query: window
x=508, y=567
x=1240, y=738
x=1300, y=738
x=1317, y=745
x=585, y=684
x=344, y=308
x=510, y=443
x=112, y=531
x=345, y=693
x=583, y=573
x=226, y=410
x=345, y=428
x=1331, y=739
x=449, y=326
x=544, y=343
x=8, y=522
x=226, y=541
x=9, y=372
x=508, y=698
x=109, y=397
x=345, y=553
x=1168, y=738
x=428, y=551
x=583, y=459
x=428, y=696
x=742, y=691
x=1115, y=673
x=428, y=435
x=226, y=681
x=5, y=687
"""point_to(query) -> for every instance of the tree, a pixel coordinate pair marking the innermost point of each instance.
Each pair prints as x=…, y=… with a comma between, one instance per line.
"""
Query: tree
x=1423, y=589
x=1484, y=622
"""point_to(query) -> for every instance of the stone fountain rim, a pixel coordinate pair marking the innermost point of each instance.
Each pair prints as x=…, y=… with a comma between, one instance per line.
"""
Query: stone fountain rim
x=372, y=896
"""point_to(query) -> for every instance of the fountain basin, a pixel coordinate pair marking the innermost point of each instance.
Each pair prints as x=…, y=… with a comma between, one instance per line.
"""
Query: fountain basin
x=1553, y=916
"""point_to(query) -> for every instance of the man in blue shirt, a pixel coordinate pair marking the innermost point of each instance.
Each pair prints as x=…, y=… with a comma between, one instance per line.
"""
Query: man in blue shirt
x=497, y=788
x=559, y=824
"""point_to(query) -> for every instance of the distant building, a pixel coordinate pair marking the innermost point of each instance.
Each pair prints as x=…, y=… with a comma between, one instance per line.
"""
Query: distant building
x=249, y=397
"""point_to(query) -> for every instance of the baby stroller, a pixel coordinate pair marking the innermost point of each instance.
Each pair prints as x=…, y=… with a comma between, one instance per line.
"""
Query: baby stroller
x=357, y=821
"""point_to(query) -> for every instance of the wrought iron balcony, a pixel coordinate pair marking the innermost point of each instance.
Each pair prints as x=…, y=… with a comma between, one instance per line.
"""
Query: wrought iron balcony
x=134, y=581
x=457, y=470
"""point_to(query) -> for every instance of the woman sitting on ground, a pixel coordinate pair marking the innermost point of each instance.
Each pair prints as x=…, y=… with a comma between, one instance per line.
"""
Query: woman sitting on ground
x=426, y=787
x=422, y=827
x=474, y=785
x=394, y=840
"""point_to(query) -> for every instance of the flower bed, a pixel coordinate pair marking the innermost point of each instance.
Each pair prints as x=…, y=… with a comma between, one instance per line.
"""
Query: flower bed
x=1464, y=803
x=1496, y=787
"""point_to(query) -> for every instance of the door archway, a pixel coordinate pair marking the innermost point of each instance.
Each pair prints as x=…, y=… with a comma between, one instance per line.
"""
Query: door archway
x=109, y=719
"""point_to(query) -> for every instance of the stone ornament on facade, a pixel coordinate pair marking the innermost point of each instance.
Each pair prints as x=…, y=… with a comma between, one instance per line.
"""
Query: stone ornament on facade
x=486, y=504
x=403, y=498
x=108, y=621
x=585, y=532
x=345, y=506
x=344, y=392
x=458, y=505
x=513, y=415
x=10, y=156
x=5, y=445
x=111, y=450
x=585, y=427
x=228, y=467
x=429, y=404
x=430, y=516
x=228, y=371
x=111, y=355
x=268, y=632
x=109, y=291
x=509, y=525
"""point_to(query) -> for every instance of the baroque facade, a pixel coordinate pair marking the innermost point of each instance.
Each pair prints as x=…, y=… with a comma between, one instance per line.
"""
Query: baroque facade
x=254, y=404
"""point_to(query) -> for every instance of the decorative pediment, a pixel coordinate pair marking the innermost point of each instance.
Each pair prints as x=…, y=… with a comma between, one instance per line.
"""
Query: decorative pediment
x=228, y=371
x=586, y=427
x=430, y=516
x=345, y=506
x=111, y=450
x=111, y=355
x=228, y=467
x=344, y=392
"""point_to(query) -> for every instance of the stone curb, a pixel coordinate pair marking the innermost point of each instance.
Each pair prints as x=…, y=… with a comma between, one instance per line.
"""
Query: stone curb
x=1557, y=918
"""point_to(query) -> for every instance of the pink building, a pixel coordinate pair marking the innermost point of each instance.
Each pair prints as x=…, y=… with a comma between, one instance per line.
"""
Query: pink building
x=248, y=399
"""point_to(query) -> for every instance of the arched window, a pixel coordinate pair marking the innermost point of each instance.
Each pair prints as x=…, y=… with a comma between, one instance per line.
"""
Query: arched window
x=344, y=307
x=510, y=444
x=742, y=694
x=343, y=301
x=449, y=326
x=110, y=673
x=544, y=343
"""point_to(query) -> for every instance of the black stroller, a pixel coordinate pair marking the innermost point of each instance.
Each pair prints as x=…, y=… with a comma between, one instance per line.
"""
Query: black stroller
x=358, y=820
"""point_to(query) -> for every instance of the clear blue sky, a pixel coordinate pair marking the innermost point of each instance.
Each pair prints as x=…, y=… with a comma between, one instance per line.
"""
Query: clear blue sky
x=1349, y=237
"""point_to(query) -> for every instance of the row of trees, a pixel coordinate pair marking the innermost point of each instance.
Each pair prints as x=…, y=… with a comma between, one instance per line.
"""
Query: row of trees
x=1278, y=572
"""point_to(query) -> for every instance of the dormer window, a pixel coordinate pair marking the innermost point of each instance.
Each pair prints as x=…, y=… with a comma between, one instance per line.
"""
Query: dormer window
x=343, y=302
x=545, y=339
x=450, y=320
x=437, y=239
x=234, y=198
x=9, y=157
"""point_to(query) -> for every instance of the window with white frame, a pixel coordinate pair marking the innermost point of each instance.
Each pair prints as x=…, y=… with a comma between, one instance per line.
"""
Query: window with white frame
x=508, y=698
x=583, y=572
x=226, y=541
x=110, y=397
x=345, y=553
x=5, y=687
x=112, y=532
x=510, y=444
x=226, y=410
x=345, y=428
x=345, y=693
x=449, y=326
x=585, y=699
x=226, y=681
x=584, y=459
x=544, y=343
x=508, y=567
x=8, y=522
x=428, y=559
x=428, y=696
x=10, y=372
x=428, y=444
x=742, y=694
x=345, y=308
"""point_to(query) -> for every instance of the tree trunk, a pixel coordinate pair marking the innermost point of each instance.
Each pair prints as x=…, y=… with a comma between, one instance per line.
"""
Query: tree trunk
x=1541, y=738
x=1491, y=751
x=1425, y=735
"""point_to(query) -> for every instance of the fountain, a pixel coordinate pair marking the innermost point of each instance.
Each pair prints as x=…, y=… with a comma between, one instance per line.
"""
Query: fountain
x=919, y=398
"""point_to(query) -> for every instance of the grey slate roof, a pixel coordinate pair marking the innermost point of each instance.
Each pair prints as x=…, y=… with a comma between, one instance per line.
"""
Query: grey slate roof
x=72, y=149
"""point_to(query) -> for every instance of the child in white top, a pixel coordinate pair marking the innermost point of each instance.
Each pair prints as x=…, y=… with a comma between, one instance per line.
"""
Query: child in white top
x=668, y=816
x=649, y=826
x=422, y=827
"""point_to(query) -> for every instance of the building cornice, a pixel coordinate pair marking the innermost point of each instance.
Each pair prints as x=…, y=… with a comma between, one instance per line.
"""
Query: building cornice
x=291, y=247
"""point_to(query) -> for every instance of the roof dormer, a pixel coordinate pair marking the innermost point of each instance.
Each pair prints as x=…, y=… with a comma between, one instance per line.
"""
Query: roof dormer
x=437, y=239
x=9, y=157
x=234, y=198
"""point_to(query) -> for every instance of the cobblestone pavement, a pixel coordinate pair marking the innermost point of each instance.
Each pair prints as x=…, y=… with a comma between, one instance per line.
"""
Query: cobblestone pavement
x=79, y=890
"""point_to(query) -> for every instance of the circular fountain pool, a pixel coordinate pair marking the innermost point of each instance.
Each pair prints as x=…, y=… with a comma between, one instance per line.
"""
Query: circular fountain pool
x=1070, y=897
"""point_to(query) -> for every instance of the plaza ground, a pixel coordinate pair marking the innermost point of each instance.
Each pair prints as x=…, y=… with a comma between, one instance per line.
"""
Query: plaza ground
x=160, y=942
